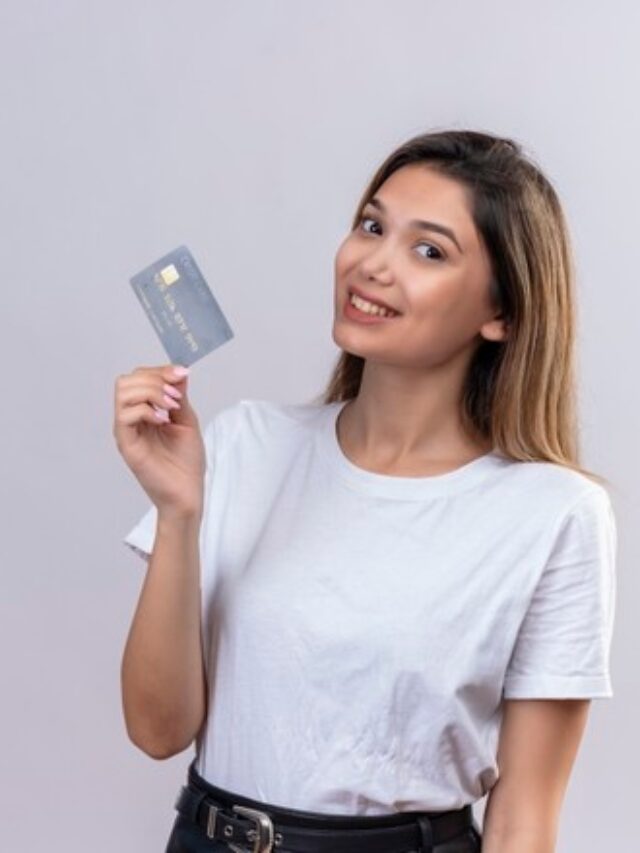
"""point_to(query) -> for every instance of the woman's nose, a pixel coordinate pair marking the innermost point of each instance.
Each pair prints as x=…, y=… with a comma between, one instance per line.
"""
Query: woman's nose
x=377, y=265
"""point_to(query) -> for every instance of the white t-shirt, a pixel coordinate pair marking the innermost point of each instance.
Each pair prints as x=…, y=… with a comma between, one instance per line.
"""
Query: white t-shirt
x=361, y=629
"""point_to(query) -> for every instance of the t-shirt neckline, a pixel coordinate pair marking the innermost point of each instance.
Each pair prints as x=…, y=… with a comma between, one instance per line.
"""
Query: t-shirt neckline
x=393, y=486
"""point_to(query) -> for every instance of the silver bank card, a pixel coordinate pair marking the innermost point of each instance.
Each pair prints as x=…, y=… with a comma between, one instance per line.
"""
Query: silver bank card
x=181, y=307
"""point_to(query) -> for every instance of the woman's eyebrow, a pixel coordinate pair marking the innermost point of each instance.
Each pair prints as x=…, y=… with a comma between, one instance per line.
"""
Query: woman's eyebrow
x=422, y=223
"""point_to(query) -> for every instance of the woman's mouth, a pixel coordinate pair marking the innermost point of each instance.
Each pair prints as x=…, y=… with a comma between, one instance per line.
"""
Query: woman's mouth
x=357, y=308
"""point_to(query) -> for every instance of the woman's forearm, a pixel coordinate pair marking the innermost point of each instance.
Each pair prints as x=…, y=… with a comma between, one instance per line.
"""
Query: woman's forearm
x=538, y=838
x=513, y=825
x=162, y=673
x=532, y=841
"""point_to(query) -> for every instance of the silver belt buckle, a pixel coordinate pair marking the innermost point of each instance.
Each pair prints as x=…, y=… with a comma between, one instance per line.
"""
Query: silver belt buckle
x=261, y=836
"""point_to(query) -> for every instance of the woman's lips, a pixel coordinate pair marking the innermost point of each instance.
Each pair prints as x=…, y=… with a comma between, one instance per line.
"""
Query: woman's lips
x=367, y=298
x=353, y=313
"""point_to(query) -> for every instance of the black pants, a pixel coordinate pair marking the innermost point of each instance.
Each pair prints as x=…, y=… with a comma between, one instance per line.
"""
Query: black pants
x=188, y=837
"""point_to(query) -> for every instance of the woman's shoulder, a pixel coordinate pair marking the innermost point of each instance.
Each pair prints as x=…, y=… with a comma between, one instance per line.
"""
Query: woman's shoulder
x=554, y=484
x=260, y=418
x=260, y=410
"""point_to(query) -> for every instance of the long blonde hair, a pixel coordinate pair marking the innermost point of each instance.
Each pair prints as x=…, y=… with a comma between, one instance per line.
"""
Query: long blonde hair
x=519, y=393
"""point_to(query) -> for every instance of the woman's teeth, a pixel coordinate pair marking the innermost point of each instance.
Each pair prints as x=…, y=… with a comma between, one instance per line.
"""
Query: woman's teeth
x=370, y=307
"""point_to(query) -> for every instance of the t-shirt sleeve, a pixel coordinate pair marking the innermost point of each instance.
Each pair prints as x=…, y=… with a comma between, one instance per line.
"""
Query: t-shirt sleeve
x=563, y=644
x=142, y=535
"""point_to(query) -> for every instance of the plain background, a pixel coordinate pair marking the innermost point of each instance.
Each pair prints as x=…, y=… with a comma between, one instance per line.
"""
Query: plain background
x=248, y=131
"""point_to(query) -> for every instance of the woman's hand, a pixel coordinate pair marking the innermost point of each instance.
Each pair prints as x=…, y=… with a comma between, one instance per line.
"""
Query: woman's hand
x=165, y=452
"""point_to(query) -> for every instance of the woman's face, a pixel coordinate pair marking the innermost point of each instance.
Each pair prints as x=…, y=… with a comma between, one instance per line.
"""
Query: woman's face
x=437, y=280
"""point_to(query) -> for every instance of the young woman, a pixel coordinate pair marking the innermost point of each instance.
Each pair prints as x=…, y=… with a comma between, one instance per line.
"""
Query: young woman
x=373, y=609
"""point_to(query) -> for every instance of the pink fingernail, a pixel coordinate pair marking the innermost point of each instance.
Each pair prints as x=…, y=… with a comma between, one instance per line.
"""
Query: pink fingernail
x=173, y=404
x=181, y=371
x=172, y=392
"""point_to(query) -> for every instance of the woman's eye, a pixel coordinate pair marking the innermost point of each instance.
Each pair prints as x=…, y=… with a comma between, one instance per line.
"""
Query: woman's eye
x=366, y=219
x=438, y=256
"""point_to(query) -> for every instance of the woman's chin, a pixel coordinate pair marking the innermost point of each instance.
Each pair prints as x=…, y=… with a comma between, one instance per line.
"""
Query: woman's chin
x=349, y=340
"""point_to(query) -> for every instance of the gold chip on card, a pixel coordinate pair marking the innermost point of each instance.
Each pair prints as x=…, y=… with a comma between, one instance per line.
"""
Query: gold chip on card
x=169, y=274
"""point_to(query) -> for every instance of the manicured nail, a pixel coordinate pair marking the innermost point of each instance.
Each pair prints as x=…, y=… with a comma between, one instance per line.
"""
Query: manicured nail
x=173, y=404
x=180, y=371
x=172, y=392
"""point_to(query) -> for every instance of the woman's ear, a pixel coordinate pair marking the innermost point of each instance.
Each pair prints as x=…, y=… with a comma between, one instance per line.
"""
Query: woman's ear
x=497, y=329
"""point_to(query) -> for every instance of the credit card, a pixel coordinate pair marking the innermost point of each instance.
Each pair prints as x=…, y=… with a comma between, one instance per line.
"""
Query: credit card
x=181, y=307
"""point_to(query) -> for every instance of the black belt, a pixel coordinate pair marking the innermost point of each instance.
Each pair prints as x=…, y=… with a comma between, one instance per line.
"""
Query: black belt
x=250, y=825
